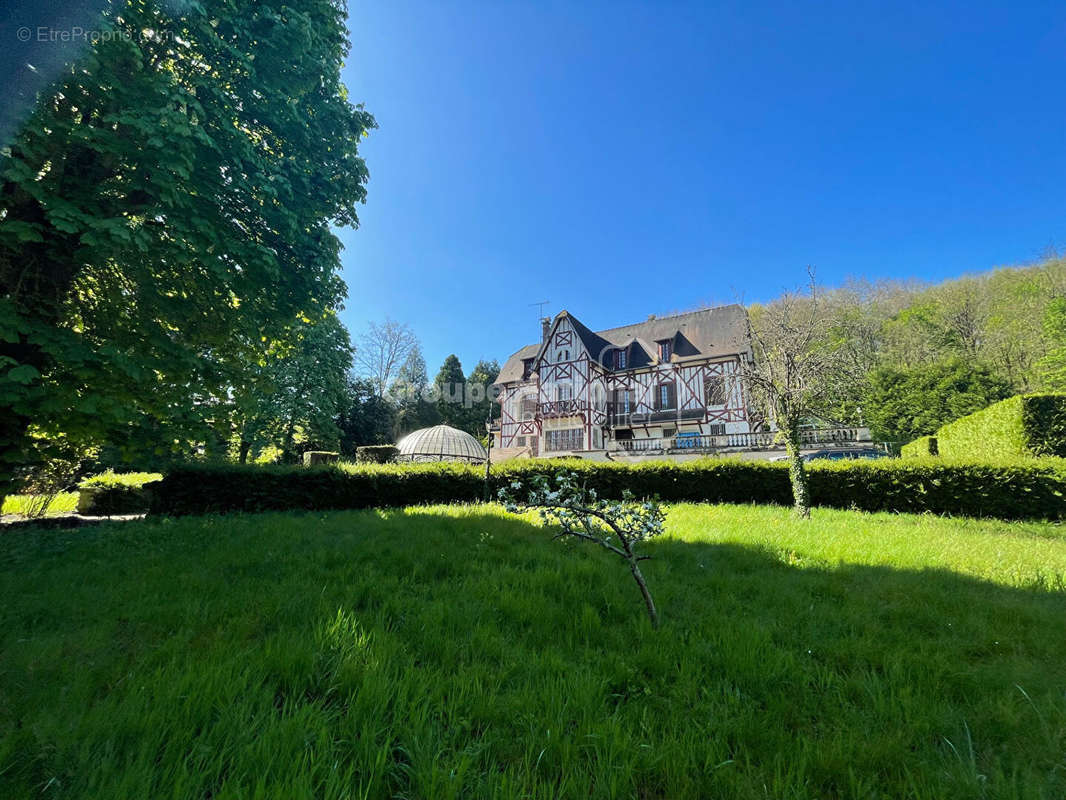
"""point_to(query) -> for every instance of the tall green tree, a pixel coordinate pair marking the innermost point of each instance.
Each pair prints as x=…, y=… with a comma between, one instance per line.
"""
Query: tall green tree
x=165, y=215
x=479, y=385
x=408, y=394
x=300, y=386
x=450, y=388
x=905, y=403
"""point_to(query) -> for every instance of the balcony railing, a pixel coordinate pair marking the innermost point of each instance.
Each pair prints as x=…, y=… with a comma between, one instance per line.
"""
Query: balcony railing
x=834, y=435
x=642, y=445
x=563, y=408
x=688, y=443
x=618, y=418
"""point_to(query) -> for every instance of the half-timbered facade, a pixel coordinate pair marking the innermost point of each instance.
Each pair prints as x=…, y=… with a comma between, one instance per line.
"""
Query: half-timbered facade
x=670, y=378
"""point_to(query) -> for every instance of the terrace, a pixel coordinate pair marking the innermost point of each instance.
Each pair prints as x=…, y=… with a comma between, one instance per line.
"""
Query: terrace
x=715, y=443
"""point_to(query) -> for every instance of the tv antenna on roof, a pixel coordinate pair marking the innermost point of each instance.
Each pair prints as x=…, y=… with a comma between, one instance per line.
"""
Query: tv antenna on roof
x=540, y=308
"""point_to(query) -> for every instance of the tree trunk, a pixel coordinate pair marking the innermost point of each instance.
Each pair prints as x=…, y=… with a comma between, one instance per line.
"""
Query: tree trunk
x=286, y=446
x=797, y=470
x=488, y=457
x=242, y=456
x=638, y=576
x=13, y=441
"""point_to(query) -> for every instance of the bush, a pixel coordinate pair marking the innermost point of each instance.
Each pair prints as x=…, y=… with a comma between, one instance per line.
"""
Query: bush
x=376, y=453
x=110, y=493
x=1030, y=489
x=922, y=446
x=317, y=458
x=1024, y=425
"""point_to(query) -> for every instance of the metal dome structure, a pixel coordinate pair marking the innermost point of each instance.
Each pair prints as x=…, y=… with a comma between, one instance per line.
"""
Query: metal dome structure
x=441, y=443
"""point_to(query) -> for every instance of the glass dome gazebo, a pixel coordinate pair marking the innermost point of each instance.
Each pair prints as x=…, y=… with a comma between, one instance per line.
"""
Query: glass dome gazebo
x=440, y=443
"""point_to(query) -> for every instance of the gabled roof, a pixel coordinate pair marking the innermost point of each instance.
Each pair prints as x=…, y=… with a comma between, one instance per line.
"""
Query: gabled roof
x=512, y=369
x=708, y=333
x=595, y=344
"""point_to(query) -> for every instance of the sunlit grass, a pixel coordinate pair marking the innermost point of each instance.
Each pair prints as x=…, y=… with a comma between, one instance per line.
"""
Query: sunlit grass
x=64, y=503
x=1014, y=554
x=457, y=652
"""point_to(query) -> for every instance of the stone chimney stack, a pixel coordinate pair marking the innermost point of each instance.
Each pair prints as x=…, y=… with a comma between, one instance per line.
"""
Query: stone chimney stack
x=545, y=326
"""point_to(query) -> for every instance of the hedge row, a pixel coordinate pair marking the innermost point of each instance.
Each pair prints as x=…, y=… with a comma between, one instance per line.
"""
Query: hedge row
x=1032, y=490
x=1023, y=425
x=376, y=453
x=922, y=446
x=112, y=493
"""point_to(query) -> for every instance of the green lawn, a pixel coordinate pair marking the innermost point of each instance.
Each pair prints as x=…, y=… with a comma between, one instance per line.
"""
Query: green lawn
x=457, y=652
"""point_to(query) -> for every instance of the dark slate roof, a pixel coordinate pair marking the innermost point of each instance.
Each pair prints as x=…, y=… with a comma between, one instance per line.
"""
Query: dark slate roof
x=512, y=368
x=708, y=333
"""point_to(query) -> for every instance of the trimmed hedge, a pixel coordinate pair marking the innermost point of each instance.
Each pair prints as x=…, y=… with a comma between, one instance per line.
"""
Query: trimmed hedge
x=376, y=453
x=1044, y=418
x=1034, y=490
x=109, y=494
x=1024, y=425
x=922, y=446
x=317, y=458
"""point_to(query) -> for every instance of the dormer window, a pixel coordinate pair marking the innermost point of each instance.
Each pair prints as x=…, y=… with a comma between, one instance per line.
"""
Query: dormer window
x=666, y=349
x=527, y=368
x=620, y=359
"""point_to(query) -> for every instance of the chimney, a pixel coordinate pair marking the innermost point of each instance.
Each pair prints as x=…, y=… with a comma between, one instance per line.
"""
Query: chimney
x=545, y=326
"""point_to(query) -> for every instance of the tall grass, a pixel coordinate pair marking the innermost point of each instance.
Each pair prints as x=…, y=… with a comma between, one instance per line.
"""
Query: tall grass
x=24, y=504
x=457, y=652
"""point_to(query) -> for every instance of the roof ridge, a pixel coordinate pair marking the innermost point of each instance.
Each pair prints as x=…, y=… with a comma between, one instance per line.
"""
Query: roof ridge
x=658, y=318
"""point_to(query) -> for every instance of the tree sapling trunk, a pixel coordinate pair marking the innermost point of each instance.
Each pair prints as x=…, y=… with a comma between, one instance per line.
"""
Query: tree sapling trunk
x=614, y=526
x=797, y=471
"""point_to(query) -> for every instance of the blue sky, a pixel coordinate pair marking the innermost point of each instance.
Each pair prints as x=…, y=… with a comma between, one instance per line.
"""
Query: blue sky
x=620, y=159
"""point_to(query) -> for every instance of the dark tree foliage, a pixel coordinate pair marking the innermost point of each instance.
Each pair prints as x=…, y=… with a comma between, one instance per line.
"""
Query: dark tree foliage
x=480, y=382
x=408, y=392
x=165, y=214
x=366, y=417
x=450, y=385
x=903, y=404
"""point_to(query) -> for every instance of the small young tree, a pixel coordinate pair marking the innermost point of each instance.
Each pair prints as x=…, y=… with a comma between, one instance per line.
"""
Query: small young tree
x=798, y=370
x=616, y=526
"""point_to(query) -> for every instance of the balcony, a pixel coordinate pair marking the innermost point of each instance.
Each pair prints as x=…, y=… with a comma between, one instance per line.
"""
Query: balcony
x=699, y=443
x=563, y=408
x=618, y=418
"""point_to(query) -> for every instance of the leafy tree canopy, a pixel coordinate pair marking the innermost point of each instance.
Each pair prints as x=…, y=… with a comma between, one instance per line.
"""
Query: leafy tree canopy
x=165, y=215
